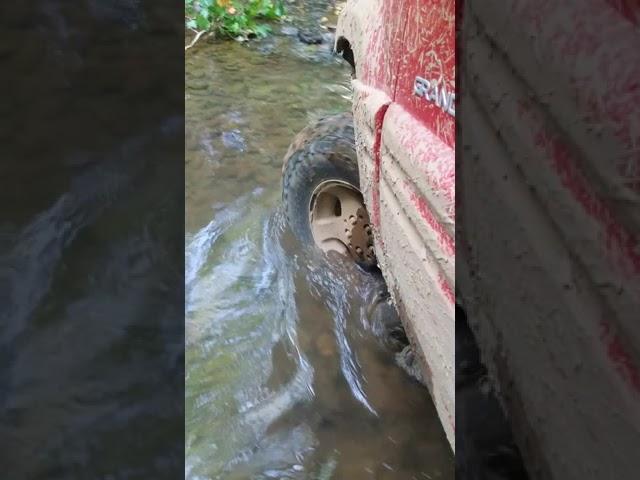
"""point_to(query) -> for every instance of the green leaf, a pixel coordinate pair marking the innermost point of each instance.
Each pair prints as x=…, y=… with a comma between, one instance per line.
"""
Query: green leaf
x=262, y=30
x=210, y=16
x=202, y=21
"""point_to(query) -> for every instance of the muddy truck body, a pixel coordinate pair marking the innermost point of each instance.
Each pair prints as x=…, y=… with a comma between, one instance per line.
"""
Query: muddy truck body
x=403, y=56
x=550, y=199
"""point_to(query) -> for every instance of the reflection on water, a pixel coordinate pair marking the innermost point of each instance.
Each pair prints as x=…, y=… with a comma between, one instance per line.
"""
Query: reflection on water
x=286, y=377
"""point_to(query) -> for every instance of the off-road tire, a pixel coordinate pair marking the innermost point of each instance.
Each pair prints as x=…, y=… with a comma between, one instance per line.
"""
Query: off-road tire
x=324, y=150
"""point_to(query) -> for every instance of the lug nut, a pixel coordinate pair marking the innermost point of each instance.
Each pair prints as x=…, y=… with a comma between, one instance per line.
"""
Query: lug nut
x=359, y=251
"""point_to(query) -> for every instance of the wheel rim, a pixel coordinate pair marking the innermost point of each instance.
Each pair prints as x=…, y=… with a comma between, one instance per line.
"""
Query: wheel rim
x=340, y=222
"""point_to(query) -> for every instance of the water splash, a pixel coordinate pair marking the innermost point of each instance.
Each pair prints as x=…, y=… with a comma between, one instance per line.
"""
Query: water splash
x=240, y=304
x=336, y=287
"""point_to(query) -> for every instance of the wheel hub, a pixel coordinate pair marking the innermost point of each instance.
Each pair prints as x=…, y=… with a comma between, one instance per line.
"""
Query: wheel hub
x=340, y=222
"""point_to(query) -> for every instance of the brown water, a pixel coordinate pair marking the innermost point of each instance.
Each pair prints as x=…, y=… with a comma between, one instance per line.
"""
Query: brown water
x=288, y=375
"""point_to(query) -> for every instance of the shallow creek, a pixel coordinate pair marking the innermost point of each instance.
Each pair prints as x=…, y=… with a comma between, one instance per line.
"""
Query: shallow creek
x=289, y=374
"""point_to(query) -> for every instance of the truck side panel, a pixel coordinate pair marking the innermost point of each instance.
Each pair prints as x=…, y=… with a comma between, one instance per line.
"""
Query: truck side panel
x=417, y=193
x=559, y=214
x=407, y=168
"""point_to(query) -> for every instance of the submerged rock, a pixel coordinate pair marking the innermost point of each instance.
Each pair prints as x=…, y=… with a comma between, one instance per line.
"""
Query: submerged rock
x=289, y=31
x=234, y=140
x=310, y=37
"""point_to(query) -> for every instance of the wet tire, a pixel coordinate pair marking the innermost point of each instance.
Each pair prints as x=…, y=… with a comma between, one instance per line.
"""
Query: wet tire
x=323, y=151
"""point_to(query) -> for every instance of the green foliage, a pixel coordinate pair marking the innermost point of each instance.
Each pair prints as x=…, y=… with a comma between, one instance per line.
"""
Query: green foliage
x=233, y=18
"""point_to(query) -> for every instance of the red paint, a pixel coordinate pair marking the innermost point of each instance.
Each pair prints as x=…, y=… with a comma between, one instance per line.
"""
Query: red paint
x=446, y=289
x=405, y=39
x=618, y=240
x=428, y=51
x=444, y=239
x=620, y=357
x=379, y=118
x=630, y=9
x=381, y=47
x=566, y=48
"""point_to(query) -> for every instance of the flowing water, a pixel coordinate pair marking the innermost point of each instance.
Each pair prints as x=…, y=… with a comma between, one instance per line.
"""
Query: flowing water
x=289, y=374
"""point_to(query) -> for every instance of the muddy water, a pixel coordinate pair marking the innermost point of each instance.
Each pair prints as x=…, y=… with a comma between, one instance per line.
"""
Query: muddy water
x=288, y=374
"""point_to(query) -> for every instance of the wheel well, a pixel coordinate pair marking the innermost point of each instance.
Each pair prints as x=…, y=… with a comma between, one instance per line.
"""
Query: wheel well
x=343, y=47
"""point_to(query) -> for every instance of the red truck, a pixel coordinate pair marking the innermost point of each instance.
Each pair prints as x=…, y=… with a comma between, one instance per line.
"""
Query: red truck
x=538, y=192
x=390, y=200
